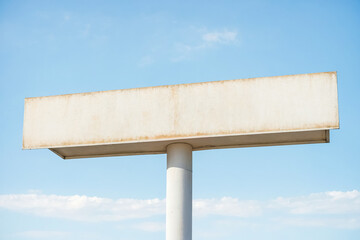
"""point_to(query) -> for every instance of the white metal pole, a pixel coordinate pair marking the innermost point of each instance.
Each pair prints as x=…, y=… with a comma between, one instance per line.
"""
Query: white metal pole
x=179, y=192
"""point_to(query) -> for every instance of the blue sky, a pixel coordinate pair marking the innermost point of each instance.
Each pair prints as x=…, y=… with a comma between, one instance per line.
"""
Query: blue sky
x=284, y=192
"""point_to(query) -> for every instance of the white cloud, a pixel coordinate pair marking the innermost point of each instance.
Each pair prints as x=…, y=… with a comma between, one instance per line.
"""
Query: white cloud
x=86, y=31
x=150, y=226
x=205, y=40
x=82, y=208
x=42, y=234
x=67, y=17
x=145, y=61
x=220, y=37
x=326, y=209
x=225, y=228
x=226, y=206
x=334, y=202
x=335, y=222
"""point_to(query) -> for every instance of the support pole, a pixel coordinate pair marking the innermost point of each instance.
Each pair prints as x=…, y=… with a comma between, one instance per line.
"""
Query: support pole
x=179, y=192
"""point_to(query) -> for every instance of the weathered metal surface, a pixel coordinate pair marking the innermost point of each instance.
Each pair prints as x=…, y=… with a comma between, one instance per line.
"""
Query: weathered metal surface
x=206, y=114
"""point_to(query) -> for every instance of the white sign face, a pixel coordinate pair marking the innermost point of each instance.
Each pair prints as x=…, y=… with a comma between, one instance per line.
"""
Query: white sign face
x=235, y=113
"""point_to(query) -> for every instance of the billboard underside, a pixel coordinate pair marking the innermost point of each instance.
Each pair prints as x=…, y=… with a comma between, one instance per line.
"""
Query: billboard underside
x=159, y=147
